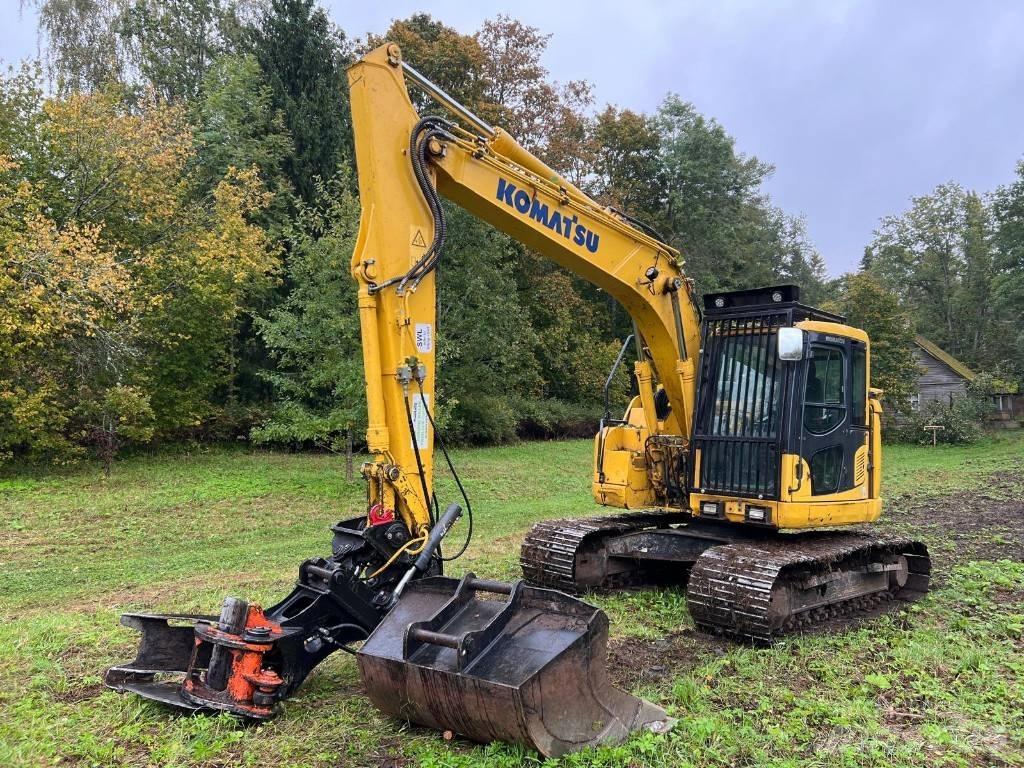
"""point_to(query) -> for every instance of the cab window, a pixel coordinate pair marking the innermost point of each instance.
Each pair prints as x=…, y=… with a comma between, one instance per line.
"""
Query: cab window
x=747, y=391
x=826, y=470
x=824, y=392
x=859, y=387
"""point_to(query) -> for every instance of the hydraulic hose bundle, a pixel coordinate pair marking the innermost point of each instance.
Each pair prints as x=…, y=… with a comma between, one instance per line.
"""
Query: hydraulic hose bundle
x=426, y=129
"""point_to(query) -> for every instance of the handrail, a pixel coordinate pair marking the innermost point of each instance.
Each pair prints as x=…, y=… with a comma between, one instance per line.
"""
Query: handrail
x=611, y=376
x=607, y=417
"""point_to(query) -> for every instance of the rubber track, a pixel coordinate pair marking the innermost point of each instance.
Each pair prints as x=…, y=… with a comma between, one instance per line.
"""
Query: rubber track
x=548, y=554
x=730, y=585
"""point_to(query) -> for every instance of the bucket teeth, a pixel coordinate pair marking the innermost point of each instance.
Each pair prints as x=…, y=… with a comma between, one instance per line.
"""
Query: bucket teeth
x=501, y=662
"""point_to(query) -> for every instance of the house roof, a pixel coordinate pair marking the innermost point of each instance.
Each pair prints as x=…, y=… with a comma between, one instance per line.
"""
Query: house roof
x=944, y=357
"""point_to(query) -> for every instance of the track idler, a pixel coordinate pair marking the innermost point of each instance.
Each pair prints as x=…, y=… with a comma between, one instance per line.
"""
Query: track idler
x=494, y=661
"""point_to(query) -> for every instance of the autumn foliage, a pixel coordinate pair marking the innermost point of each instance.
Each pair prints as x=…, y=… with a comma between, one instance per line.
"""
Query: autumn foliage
x=108, y=253
x=178, y=210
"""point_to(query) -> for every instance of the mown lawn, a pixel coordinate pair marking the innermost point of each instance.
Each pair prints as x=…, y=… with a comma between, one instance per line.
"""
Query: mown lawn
x=939, y=684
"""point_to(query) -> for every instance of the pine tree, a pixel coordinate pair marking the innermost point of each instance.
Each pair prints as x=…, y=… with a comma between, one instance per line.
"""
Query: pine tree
x=303, y=57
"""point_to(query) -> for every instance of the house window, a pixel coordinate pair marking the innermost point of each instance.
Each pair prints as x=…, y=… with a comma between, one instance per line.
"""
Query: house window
x=915, y=401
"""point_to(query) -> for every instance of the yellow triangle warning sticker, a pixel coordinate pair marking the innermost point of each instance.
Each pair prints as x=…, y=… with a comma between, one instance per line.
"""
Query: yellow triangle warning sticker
x=418, y=240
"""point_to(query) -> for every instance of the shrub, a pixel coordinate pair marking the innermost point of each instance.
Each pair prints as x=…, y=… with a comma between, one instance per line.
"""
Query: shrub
x=961, y=422
x=552, y=418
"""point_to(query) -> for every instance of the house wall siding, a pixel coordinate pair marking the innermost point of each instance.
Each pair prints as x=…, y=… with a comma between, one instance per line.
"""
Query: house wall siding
x=938, y=381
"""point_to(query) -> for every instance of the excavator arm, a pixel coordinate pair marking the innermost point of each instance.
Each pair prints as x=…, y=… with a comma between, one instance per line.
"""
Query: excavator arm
x=404, y=164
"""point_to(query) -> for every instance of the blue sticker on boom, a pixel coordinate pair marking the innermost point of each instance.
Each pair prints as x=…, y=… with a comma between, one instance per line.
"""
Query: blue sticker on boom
x=567, y=227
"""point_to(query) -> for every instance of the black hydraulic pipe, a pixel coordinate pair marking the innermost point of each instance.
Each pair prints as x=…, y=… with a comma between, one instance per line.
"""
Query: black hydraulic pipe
x=438, y=532
x=422, y=563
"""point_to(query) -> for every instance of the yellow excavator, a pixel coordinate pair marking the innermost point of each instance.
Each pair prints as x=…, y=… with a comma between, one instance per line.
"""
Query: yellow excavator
x=753, y=423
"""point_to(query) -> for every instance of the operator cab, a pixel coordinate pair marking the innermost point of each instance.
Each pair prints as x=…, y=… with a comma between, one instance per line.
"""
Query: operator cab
x=785, y=431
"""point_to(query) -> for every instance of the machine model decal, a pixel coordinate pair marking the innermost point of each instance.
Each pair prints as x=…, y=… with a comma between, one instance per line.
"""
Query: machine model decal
x=568, y=227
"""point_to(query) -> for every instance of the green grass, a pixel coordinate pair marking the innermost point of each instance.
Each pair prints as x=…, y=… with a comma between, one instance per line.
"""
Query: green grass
x=942, y=684
x=942, y=469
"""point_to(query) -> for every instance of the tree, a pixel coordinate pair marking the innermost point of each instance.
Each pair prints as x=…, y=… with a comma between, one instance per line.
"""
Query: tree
x=303, y=57
x=204, y=284
x=486, y=347
x=1007, y=286
x=713, y=207
x=453, y=61
x=627, y=167
x=83, y=49
x=121, y=413
x=919, y=256
x=163, y=45
x=801, y=263
x=67, y=321
x=940, y=258
x=545, y=116
x=121, y=288
x=237, y=126
x=313, y=335
x=172, y=43
x=867, y=304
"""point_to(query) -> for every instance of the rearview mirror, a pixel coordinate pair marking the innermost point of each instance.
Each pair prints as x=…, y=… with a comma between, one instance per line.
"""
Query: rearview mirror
x=791, y=344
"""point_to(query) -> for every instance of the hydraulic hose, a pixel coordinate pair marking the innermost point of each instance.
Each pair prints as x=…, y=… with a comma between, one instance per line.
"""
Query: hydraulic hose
x=426, y=129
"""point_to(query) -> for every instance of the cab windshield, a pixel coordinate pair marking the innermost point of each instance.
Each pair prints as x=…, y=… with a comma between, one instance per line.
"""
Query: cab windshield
x=747, y=391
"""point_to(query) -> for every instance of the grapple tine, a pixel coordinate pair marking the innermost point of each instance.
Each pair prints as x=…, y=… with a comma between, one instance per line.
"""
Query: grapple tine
x=165, y=648
x=528, y=670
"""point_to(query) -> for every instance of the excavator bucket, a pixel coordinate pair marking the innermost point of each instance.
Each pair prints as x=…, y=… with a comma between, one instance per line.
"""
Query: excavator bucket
x=528, y=669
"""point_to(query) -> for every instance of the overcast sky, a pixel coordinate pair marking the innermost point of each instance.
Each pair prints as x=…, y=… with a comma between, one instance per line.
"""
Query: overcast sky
x=858, y=105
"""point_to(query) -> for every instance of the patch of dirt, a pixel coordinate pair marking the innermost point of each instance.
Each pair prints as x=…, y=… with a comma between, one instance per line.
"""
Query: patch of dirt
x=989, y=747
x=76, y=695
x=388, y=755
x=969, y=526
x=1004, y=596
x=634, y=661
x=1008, y=481
x=132, y=597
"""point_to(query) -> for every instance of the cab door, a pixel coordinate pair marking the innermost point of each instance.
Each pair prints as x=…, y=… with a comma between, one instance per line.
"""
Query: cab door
x=834, y=414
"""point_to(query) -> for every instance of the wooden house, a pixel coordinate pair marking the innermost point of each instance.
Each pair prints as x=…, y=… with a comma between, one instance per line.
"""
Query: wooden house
x=944, y=378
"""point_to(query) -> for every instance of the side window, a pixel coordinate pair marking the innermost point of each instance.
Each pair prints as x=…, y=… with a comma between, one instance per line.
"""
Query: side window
x=824, y=395
x=826, y=470
x=859, y=387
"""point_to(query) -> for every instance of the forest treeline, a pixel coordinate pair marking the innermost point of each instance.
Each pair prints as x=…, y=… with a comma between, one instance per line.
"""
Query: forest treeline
x=178, y=211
